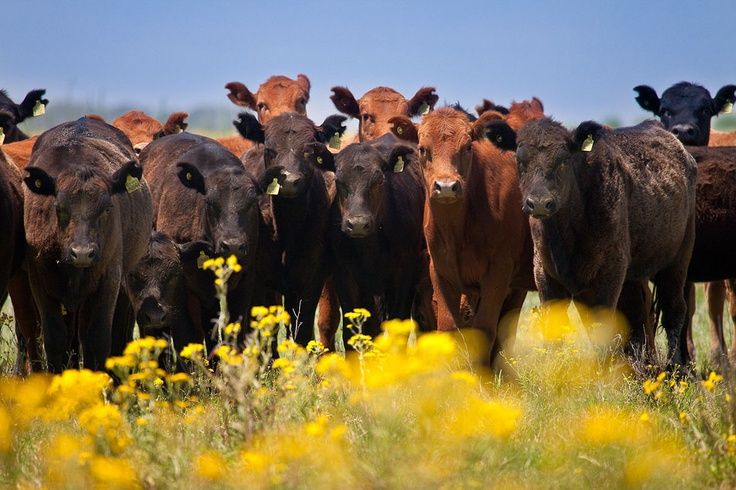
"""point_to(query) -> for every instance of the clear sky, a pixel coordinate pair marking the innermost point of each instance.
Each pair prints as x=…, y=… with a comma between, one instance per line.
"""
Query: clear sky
x=582, y=58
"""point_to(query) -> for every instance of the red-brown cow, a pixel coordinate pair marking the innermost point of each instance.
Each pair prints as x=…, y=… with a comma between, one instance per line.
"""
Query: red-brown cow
x=141, y=129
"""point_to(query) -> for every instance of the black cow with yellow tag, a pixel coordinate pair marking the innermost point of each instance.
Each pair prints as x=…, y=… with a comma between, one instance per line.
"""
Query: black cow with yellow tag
x=11, y=114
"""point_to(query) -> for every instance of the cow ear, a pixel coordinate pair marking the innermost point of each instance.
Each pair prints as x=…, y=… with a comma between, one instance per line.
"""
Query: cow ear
x=345, y=102
x=39, y=182
x=399, y=158
x=127, y=178
x=249, y=127
x=95, y=117
x=647, y=98
x=303, y=80
x=423, y=101
x=487, y=105
x=191, y=177
x=319, y=156
x=194, y=253
x=404, y=129
x=176, y=123
x=34, y=104
x=498, y=132
x=240, y=95
x=585, y=136
x=725, y=96
x=332, y=126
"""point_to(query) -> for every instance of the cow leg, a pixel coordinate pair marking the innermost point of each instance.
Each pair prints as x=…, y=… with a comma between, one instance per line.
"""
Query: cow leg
x=123, y=324
x=509, y=321
x=329, y=314
x=27, y=322
x=731, y=297
x=715, y=294
x=447, y=298
x=97, y=314
x=493, y=292
x=423, y=309
x=670, y=289
x=635, y=303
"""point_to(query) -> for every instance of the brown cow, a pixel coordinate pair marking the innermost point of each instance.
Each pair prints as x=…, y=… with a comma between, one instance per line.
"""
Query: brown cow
x=19, y=151
x=609, y=206
x=141, y=128
x=87, y=220
x=518, y=113
x=477, y=234
x=374, y=109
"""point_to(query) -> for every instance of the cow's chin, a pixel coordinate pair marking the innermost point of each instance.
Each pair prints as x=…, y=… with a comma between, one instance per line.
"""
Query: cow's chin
x=357, y=234
x=439, y=199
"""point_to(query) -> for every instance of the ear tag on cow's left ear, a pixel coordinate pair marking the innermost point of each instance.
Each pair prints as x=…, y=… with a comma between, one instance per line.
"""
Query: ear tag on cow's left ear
x=335, y=141
x=39, y=109
x=320, y=160
x=179, y=129
x=63, y=310
x=399, y=166
x=189, y=176
x=727, y=108
x=37, y=183
x=2, y=135
x=273, y=188
x=424, y=109
x=399, y=129
x=201, y=259
x=587, y=143
x=132, y=184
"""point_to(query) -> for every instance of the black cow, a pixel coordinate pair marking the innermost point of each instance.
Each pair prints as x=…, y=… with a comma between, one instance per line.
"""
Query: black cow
x=12, y=114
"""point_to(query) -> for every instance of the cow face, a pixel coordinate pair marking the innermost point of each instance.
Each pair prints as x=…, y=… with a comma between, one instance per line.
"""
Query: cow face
x=12, y=114
x=361, y=177
x=231, y=203
x=518, y=114
x=84, y=205
x=377, y=106
x=156, y=286
x=686, y=109
x=277, y=95
x=141, y=129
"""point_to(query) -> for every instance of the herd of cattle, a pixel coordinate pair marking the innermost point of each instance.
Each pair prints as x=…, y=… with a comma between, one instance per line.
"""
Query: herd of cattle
x=451, y=220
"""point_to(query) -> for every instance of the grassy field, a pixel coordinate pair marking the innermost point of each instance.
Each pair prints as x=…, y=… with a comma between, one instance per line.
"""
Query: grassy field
x=405, y=411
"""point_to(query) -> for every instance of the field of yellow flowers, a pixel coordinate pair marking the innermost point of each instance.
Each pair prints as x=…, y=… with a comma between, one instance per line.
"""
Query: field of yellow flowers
x=400, y=411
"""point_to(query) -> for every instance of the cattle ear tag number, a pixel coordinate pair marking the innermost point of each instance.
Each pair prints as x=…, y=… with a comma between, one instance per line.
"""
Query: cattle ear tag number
x=201, y=259
x=335, y=141
x=727, y=108
x=39, y=109
x=273, y=188
x=132, y=184
x=587, y=143
x=423, y=109
x=399, y=167
x=2, y=135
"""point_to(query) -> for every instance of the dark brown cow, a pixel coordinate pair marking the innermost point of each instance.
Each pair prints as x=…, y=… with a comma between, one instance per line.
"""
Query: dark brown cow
x=377, y=106
x=12, y=114
x=201, y=192
x=291, y=164
x=376, y=229
x=609, y=206
x=87, y=219
x=477, y=235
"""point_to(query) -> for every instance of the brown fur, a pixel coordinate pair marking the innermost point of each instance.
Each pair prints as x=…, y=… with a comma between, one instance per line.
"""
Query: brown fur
x=277, y=95
x=141, y=128
x=20, y=151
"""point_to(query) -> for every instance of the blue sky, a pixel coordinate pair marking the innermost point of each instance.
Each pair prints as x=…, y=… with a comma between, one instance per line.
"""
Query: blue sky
x=582, y=58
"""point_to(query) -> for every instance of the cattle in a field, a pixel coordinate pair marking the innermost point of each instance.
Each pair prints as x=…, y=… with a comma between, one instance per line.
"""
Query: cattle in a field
x=12, y=114
x=376, y=229
x=477, y=235
x=87, y=216
x=609, y=206
x=141, y=128
x=202, y=192
x=377, y=106
x=291, y=164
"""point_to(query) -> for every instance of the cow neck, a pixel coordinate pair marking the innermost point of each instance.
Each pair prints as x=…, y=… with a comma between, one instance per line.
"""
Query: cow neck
x=295, y=217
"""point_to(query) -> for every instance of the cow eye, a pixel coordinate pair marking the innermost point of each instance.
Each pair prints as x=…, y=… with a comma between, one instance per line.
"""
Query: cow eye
x=665, y=113
x=366, y=117
x=262, y=106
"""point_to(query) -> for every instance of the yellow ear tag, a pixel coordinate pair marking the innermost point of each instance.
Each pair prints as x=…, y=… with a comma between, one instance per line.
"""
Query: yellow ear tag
x=727, y=108
x=587, y=143
x=423, y=109
x=2, y=135
x=335, y=141
x=63, y=310
x=399, y=129
x=189, y=176
x=273, y=188
x=399, y=167
x=201, y=259
x=37, y=183
x=179, y=129
x=132, y=184
x=39, y=109
x=320, y=160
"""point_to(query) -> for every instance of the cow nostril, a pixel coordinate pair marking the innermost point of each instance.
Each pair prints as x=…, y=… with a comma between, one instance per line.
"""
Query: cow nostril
x=549, y=205
x=437, y=187
x=455, y=187
x=690, y=131
x=349, y=224
x=676, y=131
x=530, y=204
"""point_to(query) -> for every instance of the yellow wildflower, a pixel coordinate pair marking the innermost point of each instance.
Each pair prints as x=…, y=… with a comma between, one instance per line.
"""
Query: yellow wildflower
x=209, y=466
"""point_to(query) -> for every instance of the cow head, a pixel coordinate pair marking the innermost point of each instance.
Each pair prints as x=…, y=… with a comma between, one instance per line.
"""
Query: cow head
x=84, y=205
x=277, y=95
x=231, y=198
x=294, y=150
x=377, y=106
x=447, y=140
x=518, y=114
x=12, y=114
x=141, y=129
x=686, y=109
x=361, y=175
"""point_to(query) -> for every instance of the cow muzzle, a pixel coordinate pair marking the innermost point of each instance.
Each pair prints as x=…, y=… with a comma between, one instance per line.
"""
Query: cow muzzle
x=540, y=207
x=152, y=315
x=291, y=184
x=83, y=256
x=357, y=226
x=446, y=191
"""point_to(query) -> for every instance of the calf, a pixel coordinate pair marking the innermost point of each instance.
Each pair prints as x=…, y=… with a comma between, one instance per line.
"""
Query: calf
x=141, y=128
x=291, y=163
x=201, y=192
x=609, y=206
x=374, y=109
x=87, y=218
x=477, y=235
x=12, y=114
x=376, y=229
